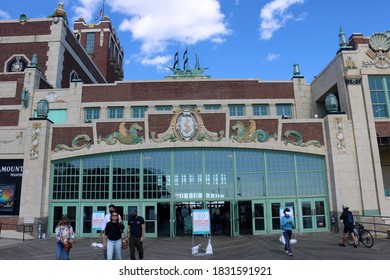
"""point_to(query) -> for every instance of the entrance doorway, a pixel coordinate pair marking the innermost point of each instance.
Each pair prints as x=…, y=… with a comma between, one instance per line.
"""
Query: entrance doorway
x=245, y=217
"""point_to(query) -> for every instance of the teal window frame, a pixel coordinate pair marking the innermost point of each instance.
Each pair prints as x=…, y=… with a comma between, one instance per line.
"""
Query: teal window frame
x=237, y=110
x=138, y=112
x=92, y=113
x=115, y=112
x=284, y=110
x=260, y=109
x=380, y=96
x=163, y=108
x=212, y=107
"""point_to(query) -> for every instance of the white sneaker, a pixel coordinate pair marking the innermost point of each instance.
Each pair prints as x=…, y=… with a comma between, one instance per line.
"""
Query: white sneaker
x=286, y=252
x=290, y=254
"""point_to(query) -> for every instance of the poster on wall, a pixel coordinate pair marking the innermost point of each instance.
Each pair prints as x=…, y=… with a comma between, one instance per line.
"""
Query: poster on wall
x=201, y=221
x=7, y=197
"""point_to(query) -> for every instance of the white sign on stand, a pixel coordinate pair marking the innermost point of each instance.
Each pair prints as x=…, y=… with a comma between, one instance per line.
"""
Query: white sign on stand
x=201, y=226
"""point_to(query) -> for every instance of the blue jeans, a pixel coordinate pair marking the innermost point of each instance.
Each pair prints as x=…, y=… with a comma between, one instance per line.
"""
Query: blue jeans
x=114, y=249
x=287, y=236
x=61, y=253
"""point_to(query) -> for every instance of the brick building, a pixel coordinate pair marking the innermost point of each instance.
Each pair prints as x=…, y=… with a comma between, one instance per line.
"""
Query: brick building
x=243, y=146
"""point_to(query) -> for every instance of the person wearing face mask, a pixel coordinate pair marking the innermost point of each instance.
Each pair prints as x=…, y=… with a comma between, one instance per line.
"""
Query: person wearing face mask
x=135, y=233
x=287, y=225
x=107, y=218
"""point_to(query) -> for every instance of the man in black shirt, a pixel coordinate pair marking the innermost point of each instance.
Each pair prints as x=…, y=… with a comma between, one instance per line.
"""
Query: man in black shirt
x=135, y=233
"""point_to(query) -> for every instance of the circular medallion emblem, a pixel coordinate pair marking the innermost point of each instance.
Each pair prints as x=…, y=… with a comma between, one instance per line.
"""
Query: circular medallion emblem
x=186, y=126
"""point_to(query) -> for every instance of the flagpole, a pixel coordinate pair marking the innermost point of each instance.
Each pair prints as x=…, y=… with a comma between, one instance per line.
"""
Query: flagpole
x=103, y=9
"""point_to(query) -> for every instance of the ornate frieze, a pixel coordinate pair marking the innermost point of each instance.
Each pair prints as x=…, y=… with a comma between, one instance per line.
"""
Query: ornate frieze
x=19, y=138
x=34, y=150
x=340, y=134
x=79, y=142
x=378, y=51
x=187, y=126
x=124, y=135
x=247, y=134
x=291, y=134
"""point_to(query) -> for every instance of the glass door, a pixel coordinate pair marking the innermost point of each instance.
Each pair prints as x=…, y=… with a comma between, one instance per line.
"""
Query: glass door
x=86, y=218
x=150, y=216
x=58, y=211
x=258, y=216
x=313, y=213
x=235, y=219
x=274, y=208
x=174, y=220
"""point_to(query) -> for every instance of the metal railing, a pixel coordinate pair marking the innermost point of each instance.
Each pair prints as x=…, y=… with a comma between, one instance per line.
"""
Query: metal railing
x=24, y=228
x=375, y=224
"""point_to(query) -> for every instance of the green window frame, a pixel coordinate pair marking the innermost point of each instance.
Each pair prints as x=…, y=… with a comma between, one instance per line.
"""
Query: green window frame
x=284, y=110
x=380, y=95
x=260, y=109
x=163, y=108
x=212, y=107
x=91, y=114
x=115, y=112
x=237, y=110
x=138, y=112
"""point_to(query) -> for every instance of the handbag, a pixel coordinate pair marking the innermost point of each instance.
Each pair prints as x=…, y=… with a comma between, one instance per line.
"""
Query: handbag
x=282, y=240
x=68, y=245
x=125, y=244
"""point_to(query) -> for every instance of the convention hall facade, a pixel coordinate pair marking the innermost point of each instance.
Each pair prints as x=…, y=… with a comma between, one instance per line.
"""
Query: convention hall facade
x=75, y=137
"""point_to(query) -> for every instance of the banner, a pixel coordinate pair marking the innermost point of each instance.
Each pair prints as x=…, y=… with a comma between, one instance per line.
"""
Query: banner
x=97, y=220
x=200, y=221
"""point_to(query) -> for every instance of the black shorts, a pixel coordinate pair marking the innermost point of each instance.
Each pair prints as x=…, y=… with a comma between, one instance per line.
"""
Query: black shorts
x=348, y=228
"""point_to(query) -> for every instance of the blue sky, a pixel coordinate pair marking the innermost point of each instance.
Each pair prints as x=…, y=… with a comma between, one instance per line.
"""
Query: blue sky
x=259, y=39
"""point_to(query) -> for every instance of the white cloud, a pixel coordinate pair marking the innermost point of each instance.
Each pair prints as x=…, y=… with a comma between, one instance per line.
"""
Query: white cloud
x=274, y=16
x=272, y=57
x=158, y=24
x=4, y=15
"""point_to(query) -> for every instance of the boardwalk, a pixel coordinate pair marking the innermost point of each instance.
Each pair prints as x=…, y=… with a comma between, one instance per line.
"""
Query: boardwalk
x=310, y=246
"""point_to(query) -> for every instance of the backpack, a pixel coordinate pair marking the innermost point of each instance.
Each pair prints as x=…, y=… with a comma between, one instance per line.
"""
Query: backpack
x=350, y=218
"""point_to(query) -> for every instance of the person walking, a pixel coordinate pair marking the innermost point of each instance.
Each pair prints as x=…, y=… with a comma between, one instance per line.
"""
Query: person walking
x=135, y=233
x=64, y=239
x=348, y=222
x=113, y=238
x=107, y=219
x=287, y=225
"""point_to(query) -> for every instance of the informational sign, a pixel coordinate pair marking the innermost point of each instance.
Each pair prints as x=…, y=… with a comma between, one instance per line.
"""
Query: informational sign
x=201, y=221
x=97, y=220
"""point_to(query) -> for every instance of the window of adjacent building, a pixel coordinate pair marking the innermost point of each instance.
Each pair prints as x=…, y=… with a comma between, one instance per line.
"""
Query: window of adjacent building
x=163, y=108
x=284, y=110
x=57, y=116
x=212, y=107
x=237, y=110
x=260, y=109
x=380, y=95
x=91, y=114
x=90, y=43
x=115, y=112
x=138, y=112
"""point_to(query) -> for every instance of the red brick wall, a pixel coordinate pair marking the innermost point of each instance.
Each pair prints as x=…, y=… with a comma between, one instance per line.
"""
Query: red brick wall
x=159, y=123
x=187, y=90
x=9, y=223
x=31, y=28
x=9, y=117
x=19, y=78
x=382, y=129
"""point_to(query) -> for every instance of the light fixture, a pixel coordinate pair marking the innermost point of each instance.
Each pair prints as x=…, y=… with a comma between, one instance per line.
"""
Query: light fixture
x=25, y=97
x=42, y=109
x=285, y=117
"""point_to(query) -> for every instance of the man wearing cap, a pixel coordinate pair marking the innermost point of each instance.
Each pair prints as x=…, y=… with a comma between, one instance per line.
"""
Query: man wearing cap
x=135, y=233
x=287, y=224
